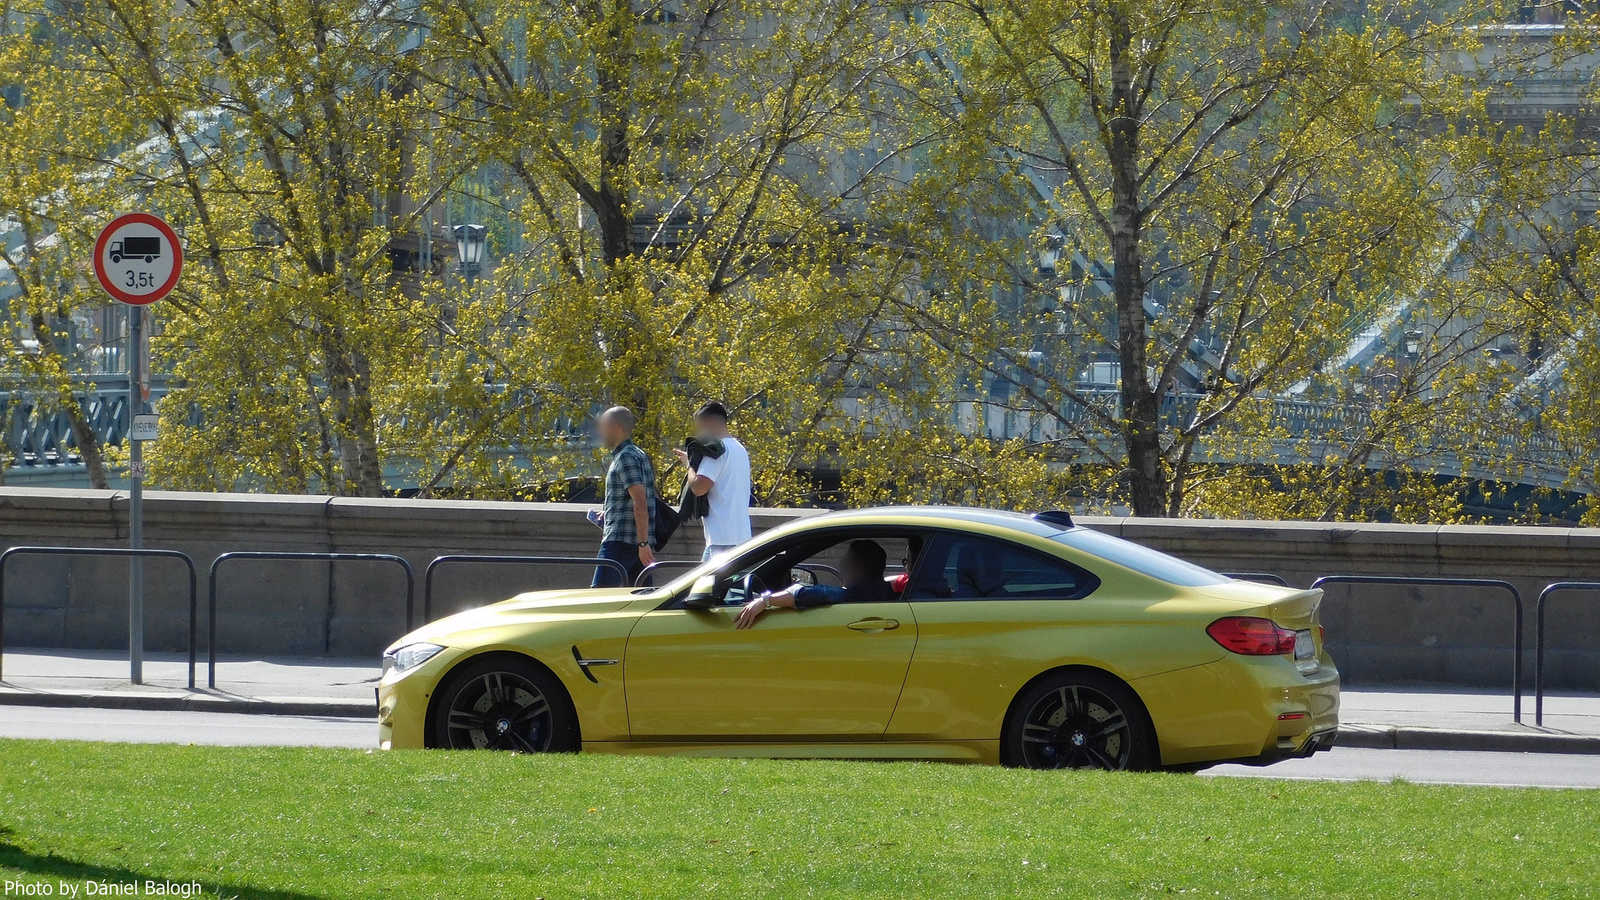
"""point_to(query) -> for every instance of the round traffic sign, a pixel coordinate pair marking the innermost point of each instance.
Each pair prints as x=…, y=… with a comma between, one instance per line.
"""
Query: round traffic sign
x=138, y=258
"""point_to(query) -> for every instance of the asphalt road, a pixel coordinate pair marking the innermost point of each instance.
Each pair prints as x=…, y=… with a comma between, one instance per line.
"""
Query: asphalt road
x=1420, y=766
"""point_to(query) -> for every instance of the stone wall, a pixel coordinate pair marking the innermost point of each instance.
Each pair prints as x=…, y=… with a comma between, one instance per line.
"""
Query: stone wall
x=1379, y=634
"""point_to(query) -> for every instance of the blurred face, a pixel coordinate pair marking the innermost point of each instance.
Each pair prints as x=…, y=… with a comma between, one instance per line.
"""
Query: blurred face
x=611, y=433
x=710, y=427
x=854, y=571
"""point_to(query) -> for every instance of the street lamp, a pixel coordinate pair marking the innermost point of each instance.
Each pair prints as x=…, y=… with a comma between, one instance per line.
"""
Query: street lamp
x=470, y=241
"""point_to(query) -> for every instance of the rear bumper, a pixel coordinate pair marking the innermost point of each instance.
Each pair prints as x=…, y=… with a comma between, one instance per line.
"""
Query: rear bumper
x=1313, y=743
x=1243, y=708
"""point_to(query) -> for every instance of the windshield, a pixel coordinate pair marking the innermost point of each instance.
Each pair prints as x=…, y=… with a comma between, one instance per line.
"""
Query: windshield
x=1139, y=558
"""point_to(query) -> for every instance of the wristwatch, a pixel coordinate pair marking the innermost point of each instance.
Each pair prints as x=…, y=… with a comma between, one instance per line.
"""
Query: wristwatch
x=644, y=543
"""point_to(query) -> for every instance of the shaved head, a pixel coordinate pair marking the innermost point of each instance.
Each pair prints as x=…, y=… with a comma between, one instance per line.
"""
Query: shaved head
x=622, y=416
x=616, y=426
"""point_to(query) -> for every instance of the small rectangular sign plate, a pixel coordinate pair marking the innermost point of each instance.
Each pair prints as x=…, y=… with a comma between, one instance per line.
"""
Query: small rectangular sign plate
x=144, y=427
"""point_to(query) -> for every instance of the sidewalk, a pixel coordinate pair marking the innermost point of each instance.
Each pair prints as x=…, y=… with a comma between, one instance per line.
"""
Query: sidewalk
x=281, y=686
x=1393, y=719
x=1445, y=719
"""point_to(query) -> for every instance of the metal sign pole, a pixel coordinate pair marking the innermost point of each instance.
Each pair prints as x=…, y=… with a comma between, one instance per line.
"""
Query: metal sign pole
x=138, y=259
x=135, y=496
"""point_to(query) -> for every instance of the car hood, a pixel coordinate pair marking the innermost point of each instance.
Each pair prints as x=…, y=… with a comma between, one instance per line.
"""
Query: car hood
x=525, y=609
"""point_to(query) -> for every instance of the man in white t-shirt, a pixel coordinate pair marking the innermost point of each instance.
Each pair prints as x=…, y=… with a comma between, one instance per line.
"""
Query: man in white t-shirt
x=723, y=480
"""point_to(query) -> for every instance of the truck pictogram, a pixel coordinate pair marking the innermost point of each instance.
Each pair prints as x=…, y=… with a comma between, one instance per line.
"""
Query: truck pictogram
x=135, y=247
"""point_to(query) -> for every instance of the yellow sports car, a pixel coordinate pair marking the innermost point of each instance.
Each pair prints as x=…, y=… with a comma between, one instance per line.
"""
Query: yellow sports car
x=999, y=638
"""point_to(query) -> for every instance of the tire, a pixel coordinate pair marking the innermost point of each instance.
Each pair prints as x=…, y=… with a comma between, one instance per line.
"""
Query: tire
x=1079, y=719
x=504, y=703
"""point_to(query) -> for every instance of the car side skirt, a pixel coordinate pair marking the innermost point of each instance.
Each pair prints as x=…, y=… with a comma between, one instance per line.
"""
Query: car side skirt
x=983, y=752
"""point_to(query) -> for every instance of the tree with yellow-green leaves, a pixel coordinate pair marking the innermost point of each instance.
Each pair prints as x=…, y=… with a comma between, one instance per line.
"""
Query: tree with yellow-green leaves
x=690, y=186
x=53, y=191
x=280, y=144
x=983, y=251
x=678, y=205
x=1228, y=193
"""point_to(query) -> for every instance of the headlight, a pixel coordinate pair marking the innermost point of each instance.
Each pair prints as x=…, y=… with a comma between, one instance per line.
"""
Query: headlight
x=410, y=656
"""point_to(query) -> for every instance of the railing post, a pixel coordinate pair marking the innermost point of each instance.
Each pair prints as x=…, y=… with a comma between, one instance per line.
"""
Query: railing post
x=211, y=601
x=194, y=599
x=1538, y=638
x=1497, y=584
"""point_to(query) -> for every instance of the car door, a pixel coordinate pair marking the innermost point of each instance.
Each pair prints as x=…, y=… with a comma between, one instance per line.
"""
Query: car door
x=989, y=612
x=830, y=673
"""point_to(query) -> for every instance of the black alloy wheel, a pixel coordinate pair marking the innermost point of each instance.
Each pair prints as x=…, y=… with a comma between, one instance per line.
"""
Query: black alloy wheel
x=1079, y=720
x=503, y=703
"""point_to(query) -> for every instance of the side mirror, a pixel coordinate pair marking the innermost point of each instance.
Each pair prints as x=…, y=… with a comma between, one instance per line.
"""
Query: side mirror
x=704, y=589
x=802, y=577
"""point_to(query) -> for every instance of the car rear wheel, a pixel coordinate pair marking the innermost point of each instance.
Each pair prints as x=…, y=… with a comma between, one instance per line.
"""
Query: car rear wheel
x=1079, y=720
x=504, y=703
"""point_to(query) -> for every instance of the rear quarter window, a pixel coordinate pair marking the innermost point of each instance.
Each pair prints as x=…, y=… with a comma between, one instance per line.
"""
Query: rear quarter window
x=1139, y=558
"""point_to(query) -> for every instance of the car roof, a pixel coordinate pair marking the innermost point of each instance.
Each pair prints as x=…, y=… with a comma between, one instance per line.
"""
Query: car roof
x=942, y=515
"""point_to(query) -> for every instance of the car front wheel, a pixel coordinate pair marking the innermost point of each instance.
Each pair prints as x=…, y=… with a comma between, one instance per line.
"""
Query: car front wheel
x=504, y=703
x=1079, y=720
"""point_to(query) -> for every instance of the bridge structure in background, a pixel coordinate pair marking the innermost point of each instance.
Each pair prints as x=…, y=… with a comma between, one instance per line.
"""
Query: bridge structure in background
x=38, y=442
x=42, y=448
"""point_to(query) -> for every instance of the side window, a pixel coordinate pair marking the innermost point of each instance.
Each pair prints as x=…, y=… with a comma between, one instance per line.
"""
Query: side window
x=813, y=558
x=959, y=567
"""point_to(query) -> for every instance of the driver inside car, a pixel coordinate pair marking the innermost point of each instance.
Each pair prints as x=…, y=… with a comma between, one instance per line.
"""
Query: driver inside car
x=862, y=571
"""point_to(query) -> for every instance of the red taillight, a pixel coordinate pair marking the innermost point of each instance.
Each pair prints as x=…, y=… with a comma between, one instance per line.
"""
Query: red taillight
x=1252, y=636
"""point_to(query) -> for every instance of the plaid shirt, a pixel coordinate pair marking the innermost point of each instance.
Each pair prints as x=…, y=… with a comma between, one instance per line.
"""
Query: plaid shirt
x=627, y=467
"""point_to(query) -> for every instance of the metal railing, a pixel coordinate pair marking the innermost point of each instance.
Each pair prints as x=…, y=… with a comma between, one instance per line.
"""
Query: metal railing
x=1538, y=638
x=1267, y=577
x=427, y=576
x=1428, y=581
x=194, y=596
x=211, y=603
x=662, y=564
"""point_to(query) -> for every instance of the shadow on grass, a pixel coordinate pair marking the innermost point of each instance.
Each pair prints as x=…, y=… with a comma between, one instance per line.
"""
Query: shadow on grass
x=59, y=868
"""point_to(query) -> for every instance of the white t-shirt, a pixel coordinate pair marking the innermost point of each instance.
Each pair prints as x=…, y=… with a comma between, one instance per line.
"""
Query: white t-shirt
x=728, y=520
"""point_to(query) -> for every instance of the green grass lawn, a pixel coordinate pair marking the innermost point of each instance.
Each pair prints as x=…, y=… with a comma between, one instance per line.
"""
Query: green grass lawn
x=291, y=824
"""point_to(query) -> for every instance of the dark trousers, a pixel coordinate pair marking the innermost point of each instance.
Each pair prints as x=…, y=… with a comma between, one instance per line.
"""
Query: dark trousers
x=619, y=551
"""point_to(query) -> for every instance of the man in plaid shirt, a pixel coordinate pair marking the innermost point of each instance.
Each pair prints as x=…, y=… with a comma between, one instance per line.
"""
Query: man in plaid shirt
x=628, y=515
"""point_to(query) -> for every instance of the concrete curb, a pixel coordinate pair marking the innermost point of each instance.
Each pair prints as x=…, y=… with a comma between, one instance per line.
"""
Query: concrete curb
x=163, y=702
x=1532, y=740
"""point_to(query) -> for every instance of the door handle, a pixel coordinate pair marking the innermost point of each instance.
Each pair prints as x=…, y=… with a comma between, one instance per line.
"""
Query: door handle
x=874, y=625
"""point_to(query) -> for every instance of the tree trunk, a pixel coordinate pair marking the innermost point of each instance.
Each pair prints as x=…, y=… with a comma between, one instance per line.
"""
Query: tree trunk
x=355, y=428
x=1141, y=407
x=613, y=76
x=612, y=207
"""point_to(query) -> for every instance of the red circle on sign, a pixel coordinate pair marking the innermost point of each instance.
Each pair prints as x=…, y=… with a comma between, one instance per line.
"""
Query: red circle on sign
x=158, y=224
